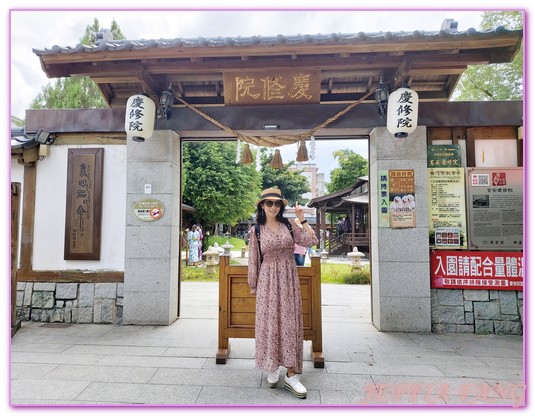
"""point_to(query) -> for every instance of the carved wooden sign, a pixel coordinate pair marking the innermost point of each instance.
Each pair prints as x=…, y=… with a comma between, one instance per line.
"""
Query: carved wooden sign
x=84, y=204
x=277, y=86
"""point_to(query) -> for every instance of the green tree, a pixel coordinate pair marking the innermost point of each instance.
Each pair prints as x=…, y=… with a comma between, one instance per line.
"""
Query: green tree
x=495, y=82
x=221, y=191
x=76, y=92
x=291, y=182
x=351, y=167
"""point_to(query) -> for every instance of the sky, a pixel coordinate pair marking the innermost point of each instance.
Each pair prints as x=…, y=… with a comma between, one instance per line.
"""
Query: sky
x=29, y=24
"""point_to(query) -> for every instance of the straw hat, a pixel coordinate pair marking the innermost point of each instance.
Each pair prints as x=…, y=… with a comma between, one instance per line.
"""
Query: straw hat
x=272, y=193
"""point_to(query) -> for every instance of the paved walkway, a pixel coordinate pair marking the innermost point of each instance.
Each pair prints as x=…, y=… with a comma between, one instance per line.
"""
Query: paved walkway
x=61, y=364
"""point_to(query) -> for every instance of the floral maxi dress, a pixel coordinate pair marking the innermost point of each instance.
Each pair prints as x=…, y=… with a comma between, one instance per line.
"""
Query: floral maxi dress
x=279, y=314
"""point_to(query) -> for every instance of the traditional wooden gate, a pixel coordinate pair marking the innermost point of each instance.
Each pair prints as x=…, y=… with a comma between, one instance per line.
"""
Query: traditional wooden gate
x=15, y=210
x=237, y=307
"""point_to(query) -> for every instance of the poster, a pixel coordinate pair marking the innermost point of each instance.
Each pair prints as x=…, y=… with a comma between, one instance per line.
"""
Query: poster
x=492, y=270
x=447, y=208
x=495, y=208
x=402, y=206
x=397, y=203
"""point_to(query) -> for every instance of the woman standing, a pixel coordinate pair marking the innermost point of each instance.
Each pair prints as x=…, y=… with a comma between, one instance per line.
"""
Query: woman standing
x=272, y=276
x=193, y=246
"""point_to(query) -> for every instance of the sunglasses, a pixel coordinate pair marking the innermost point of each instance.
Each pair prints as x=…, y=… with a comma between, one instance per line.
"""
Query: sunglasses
x=269, y=203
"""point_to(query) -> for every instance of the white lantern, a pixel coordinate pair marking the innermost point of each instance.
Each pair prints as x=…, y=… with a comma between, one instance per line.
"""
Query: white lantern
x=139, y=117
x=402, y=117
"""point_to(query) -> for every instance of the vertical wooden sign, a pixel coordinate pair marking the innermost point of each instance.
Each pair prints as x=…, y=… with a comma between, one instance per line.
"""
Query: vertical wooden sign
x=84, y=204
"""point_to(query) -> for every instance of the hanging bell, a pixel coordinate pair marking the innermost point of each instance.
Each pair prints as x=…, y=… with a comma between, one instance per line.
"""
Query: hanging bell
x=276, y=162
x=247, y=156
x=302, y=152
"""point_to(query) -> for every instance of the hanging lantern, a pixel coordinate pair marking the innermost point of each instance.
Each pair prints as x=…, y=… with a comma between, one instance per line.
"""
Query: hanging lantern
x=302, y=152
x=247, y=156
x=381, y=98
x=402, y=115
x=276, y=162
x=139, y=117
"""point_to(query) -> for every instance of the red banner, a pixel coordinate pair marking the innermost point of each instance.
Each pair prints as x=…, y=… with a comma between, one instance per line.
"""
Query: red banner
x=477, y=270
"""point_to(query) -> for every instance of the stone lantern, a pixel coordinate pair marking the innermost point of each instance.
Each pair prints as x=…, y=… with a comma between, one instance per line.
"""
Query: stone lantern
x=219, y=250
x=355, y=257
x=212, y=259
x=227, y=246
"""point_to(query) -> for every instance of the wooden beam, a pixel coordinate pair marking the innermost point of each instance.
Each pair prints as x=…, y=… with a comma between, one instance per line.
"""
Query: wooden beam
x=69, y=276
x=90, y=139
x=498, y=133
x=458, y=133
x=439, y=133
x=470, y=148
x=152, y=88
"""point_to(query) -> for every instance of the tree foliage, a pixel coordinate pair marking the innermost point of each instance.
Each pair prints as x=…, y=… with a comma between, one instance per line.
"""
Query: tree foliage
x=76, y=92
x=221, y=191
x=351, y=167
x=494, y=82
x=291, y=182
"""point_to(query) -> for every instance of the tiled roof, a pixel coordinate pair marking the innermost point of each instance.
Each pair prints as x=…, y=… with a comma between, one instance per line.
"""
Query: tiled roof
x=267, y=41
x=350, y=66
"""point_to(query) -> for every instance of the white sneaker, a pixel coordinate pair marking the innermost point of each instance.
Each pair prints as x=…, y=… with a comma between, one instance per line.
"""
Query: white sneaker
x=294, y=385
x=273, y=378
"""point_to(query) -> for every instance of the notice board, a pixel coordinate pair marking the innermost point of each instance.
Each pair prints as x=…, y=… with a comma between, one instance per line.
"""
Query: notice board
x=447, y=207
x=495, y=208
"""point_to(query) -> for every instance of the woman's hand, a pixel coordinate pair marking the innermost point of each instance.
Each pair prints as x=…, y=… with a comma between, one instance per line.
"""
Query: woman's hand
x=299, y=212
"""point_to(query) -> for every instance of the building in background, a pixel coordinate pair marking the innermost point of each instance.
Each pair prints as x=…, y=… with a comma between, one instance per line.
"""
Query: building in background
x=316, y=180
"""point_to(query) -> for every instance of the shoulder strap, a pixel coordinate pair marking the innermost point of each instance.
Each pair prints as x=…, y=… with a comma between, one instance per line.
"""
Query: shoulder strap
x=257, y=232
x=289, y=225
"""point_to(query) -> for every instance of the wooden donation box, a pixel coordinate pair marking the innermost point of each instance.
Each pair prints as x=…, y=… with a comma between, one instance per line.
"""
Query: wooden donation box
x=237, y=307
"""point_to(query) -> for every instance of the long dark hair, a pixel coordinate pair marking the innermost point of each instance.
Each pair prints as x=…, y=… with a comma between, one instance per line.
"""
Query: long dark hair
x=261, y=215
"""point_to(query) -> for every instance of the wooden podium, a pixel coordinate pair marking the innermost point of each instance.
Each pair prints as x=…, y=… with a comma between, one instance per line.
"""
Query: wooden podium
x=237, y=307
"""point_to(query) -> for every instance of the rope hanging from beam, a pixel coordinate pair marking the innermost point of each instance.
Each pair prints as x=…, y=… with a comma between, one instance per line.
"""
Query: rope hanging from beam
x=274, y=140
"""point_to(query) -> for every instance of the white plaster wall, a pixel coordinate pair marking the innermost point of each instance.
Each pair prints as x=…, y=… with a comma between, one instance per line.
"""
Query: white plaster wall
x=49, y=225
x=17, y=171
x=17, y=175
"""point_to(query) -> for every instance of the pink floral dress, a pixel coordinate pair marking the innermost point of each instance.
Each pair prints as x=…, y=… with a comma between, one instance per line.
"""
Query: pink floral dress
x=279, y=312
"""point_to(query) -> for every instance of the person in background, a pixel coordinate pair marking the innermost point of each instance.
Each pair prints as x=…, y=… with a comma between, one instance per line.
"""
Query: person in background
x=193, y=245
x=201, y=236
x=273, y=278
x=299, y=254
x=340, y=229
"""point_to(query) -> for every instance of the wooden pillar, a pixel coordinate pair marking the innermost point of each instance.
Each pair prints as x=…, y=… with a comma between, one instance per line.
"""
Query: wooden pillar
x=15, y=211
x=28, y=215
